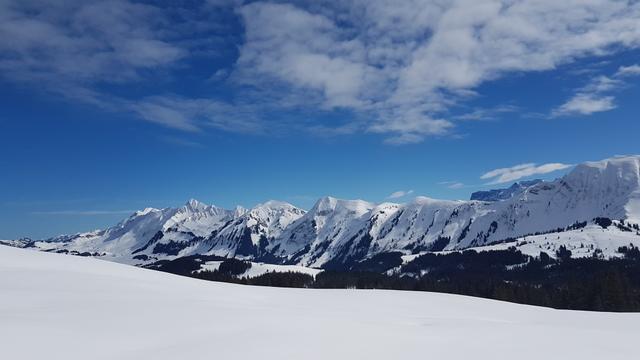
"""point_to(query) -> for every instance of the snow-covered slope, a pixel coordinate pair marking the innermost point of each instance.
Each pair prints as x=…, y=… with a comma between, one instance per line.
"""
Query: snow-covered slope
x=63, y=307
x=250, y=234
x=320, y=232
x=591, y=241
x=258, y=269
x=335, y=233
x=607, y=188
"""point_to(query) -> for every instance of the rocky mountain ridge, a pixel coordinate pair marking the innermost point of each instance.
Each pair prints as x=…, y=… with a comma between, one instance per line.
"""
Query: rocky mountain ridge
x=335, y=232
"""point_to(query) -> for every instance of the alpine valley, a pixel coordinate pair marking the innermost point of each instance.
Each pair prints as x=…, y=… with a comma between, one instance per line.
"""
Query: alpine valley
x=594, y=210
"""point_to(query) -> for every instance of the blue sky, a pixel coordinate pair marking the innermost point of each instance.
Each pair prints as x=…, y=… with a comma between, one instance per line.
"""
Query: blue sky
x=111, y=106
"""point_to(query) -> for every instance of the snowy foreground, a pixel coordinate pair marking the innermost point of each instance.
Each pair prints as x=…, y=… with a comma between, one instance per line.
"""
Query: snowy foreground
x=55, y=306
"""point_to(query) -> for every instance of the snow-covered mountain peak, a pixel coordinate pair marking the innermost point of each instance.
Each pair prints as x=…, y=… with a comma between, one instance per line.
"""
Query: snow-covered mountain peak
x=239, y=211
x=197, y=208
x=615, y=169
x=624, y=160
x=275, y=204
x=274, y=210
x=325, y=203
x=197, y=217
x=612, y=185
x=424, y=200
x=145, y=211
x=331, y=204
x=195, y=205
x=385, y=206
x=271, y=218
x=338, y=231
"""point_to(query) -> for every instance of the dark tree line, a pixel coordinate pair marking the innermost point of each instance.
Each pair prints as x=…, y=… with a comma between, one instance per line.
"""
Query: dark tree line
x=281, y=279
x=565, y=283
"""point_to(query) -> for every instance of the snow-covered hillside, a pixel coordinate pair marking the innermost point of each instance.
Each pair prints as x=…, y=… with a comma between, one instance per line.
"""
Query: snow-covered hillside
x=585, y=240
x=337, y=232
x=258, y=269
x=591, y=241
x=63, y=307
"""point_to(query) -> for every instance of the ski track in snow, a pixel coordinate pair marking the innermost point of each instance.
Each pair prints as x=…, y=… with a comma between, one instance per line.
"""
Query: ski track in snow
x=55, y=306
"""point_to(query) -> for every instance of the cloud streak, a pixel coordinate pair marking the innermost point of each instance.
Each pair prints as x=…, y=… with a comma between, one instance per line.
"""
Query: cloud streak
x=597, y=96
x=505, y=175
x=407, y=78
x=194, y=115
x=400, y=70
x=400, y=194
x=73, y=48
x=585, y=104
x=75, y=42
x=454, y=185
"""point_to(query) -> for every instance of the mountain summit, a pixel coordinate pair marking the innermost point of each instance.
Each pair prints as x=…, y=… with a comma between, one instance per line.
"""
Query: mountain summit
x=335, y=232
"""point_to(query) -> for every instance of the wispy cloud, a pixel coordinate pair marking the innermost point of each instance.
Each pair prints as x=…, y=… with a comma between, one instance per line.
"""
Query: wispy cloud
x=400, y=194
x=504, y=175
x=487, y=113
x=585, y=104
x=457, y=185
x=181, y=142
x=400, y=70
x=74, y=43
x=631, y=70
x=406, y=82
x=199, y=114
x=84, y=212
x=452, y=184
x=597, y=96
x=73, y=47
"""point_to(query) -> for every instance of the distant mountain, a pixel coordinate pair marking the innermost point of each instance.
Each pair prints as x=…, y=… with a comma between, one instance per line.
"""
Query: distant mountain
x=504, y=194
x=340, y=233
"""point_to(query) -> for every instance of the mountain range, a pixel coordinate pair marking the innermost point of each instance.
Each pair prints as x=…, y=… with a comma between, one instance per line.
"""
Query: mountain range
x=336, y=233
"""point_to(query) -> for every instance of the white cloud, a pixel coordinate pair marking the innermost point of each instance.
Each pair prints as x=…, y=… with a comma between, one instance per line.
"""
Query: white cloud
x=73, y=47
x=596, y=95
x=168, y=113
x=403, y=139
x=404, y=65
x=487, y=113
x=504, y=175
x=601, y=84
x=399, y=67
x=630, y=70
x=585, y=104
x=194, y=115
x=74, y=42
x=452, y=184
x=400, y=194
x=456, y=185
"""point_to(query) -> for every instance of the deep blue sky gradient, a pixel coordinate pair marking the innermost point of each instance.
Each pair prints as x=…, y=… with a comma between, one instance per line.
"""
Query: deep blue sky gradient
x=60, y=158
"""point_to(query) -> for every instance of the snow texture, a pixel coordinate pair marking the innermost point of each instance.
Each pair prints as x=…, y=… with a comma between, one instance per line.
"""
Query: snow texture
x=64, y=307
x=258, y=269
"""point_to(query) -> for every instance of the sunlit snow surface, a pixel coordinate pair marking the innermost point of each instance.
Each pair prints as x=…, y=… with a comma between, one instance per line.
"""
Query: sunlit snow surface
x=55, y=306
x=258, y=269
